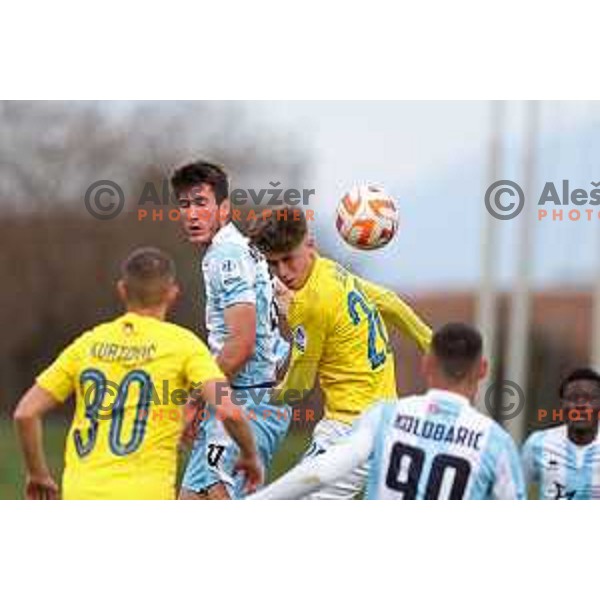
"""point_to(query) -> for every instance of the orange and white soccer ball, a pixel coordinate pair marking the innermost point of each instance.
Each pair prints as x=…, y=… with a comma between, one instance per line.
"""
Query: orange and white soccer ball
x=367, y=217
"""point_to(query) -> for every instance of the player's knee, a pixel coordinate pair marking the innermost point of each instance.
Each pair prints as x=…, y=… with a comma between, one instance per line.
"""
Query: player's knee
x=218, y=491
x=185, y=494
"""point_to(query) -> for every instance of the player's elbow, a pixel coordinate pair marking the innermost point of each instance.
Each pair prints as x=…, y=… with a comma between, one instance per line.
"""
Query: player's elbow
x=245, y=347
x=31, y=405
x=23, y=413
x=238, y=360
x=235, y=355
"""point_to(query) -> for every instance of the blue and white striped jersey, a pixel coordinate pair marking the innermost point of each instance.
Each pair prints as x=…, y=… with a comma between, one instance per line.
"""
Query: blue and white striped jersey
x=235, y=272
x=437, y=446
x=561, y=469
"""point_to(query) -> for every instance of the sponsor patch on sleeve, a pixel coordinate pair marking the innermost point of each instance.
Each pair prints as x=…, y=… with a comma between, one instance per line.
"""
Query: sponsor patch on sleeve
x=230, y=271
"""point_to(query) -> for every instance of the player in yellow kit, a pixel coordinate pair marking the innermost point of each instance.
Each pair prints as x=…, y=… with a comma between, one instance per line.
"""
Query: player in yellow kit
x=132, y=378
x=337, y=323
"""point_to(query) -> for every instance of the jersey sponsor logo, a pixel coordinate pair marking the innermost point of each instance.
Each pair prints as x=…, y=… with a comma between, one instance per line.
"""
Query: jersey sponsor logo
x=229, y=270
x=300, y=338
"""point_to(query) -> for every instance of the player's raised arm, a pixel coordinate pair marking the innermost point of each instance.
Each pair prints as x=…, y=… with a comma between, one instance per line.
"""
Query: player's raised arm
x=28, y=422
x=398, y=314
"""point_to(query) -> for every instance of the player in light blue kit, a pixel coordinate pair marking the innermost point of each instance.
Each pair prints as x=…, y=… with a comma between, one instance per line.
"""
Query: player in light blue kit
x=433, y=446
x=243, y=331
x=564, y=462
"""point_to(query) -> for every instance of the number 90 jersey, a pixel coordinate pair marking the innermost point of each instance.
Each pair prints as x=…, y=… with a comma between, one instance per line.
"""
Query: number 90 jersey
x=438, y=447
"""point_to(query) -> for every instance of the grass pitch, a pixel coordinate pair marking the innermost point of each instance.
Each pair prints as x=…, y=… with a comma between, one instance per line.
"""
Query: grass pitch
x=55, y=430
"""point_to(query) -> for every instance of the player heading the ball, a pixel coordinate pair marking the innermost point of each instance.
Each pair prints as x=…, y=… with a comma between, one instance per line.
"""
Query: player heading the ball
x=337, y=324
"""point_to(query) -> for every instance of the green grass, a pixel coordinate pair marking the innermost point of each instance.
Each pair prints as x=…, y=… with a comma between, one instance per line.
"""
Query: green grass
x=11, y=463
x=290, y=452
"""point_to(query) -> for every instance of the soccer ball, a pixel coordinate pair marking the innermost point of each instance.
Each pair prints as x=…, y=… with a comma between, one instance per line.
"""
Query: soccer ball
x=367, y=217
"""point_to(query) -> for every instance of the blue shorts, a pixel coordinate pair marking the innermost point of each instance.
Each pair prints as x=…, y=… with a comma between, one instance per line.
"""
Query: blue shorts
x=214, y=453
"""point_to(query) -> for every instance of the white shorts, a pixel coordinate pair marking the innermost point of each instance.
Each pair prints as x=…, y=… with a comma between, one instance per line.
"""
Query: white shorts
x=326, y=433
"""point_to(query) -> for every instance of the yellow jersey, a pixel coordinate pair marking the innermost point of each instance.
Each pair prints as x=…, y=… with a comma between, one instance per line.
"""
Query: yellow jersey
x=337, y=323
x=131, y=379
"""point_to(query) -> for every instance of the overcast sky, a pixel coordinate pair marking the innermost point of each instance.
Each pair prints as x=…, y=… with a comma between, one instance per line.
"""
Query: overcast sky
x=433, y=157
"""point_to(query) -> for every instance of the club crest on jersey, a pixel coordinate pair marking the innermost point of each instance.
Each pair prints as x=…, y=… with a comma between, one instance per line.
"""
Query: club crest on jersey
x=300, y=338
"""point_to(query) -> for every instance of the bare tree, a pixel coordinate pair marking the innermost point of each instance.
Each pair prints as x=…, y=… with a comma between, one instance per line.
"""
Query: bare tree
x=58, y=263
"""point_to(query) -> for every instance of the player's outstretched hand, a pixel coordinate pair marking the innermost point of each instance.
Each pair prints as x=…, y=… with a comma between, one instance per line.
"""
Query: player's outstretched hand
x=41, y=487
x=252, y=469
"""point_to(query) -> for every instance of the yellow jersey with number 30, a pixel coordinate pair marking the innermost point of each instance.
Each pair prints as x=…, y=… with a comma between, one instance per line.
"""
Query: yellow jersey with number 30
x=131, y=378
x=339, y=334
